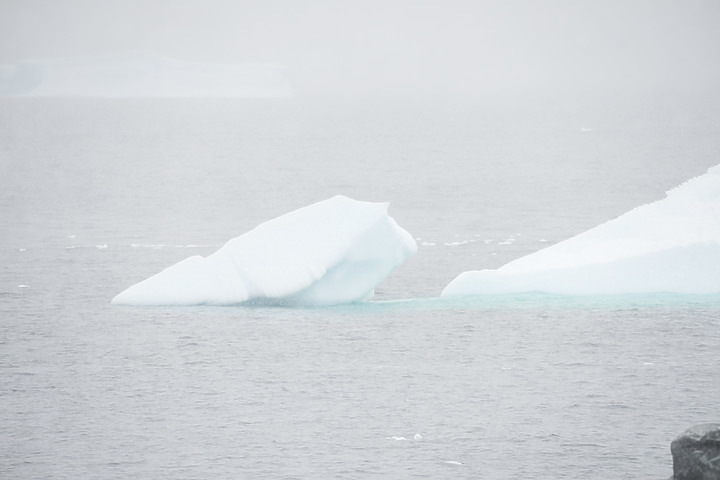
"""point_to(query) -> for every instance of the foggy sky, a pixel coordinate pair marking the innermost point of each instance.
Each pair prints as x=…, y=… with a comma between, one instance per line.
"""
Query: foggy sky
x=453, y=46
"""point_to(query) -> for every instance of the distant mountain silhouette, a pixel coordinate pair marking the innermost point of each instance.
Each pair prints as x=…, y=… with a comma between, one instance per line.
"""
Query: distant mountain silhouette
x=141, y=74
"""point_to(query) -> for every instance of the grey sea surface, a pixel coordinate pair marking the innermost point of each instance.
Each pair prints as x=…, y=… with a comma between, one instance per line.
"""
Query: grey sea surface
x=98, y=194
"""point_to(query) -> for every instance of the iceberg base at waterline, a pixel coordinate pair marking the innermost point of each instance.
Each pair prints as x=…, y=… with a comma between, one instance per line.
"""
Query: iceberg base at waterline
x=672, y=245
x=683, y=270
x=332, y=252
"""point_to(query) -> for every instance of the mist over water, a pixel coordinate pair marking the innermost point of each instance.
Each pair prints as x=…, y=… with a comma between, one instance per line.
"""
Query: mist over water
x=492, y=129
x=398, y=46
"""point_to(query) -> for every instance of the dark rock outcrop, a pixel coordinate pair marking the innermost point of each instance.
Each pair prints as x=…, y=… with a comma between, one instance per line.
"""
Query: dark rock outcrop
x=696, y=453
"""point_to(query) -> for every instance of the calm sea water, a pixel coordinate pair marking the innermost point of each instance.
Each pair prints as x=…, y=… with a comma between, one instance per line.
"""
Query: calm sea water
x=96, y=195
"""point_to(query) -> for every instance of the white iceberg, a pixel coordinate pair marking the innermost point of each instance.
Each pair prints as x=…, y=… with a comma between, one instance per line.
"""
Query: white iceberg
x=672, y=245
x=141, y=74
x=332, y=252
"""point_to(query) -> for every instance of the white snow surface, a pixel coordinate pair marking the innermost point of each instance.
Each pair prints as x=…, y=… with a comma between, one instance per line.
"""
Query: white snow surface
x=671, y=245
x=332, y=252
x=141, y=74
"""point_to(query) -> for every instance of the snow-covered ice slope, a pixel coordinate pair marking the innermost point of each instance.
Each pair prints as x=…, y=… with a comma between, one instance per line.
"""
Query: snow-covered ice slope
x=335, y=251
x=672, y=245
x=141, y=74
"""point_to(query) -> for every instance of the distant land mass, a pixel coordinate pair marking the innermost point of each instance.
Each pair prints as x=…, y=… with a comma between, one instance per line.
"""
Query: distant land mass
x=141, y=74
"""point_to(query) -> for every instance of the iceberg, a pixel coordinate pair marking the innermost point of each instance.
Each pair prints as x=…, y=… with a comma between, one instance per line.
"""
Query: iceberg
x=671, y=245
x=140, y=74
x=332, y=252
